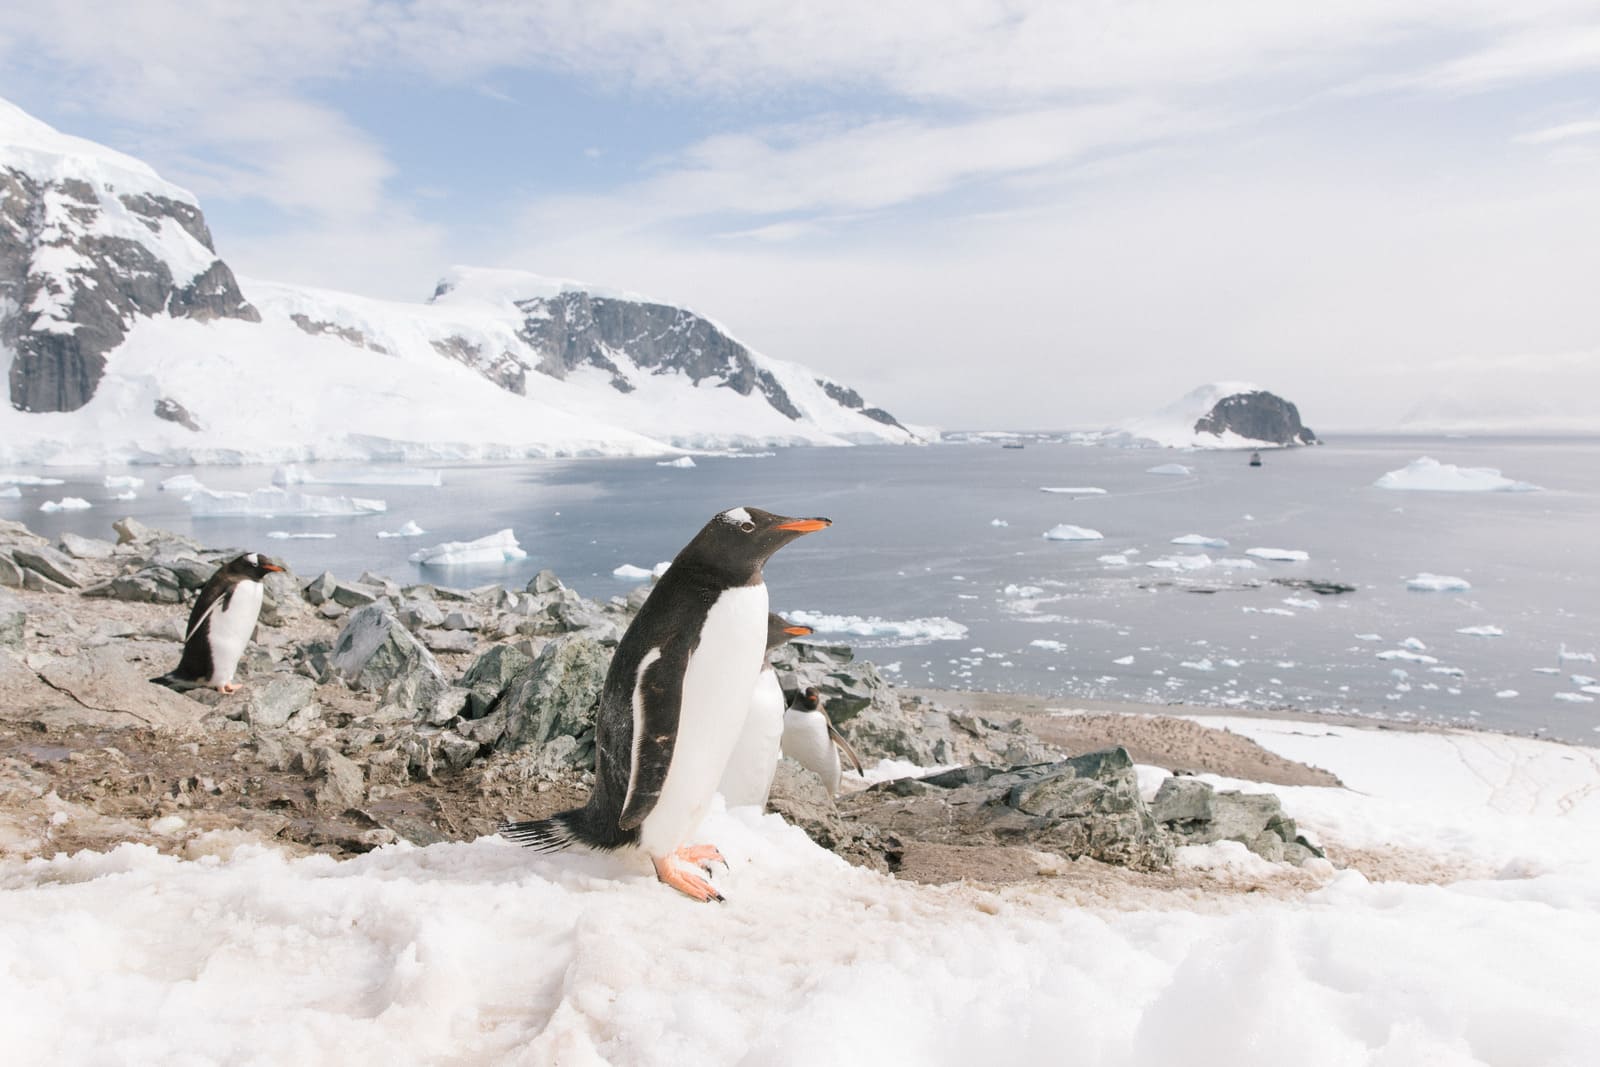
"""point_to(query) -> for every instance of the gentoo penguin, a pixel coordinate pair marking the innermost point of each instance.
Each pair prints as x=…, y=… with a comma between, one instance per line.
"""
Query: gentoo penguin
x=811, y=739
x=674, y=700
x=748, y=777
x=221, y=624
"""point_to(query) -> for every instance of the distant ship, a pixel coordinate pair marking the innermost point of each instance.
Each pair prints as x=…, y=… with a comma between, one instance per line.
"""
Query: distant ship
x=1255, y=459
x=1013, y=446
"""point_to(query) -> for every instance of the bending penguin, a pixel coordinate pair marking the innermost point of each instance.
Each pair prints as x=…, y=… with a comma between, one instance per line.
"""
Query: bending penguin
x=748, y=777
x=220, y=625
x=811, y=740
x=675, y=699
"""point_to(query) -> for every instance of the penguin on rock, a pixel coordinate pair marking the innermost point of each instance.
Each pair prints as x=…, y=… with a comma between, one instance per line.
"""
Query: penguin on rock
x=747, y=779
x=675, y=700
x=811, y=740
x=220, y=625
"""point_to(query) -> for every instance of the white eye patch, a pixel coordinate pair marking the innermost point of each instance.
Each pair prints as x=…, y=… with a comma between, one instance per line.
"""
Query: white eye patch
x=737, y=517
x=253, y=559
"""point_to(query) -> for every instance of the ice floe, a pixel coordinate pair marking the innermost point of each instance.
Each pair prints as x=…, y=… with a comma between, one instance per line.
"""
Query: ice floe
x=1481, y=631
x=1279, y=555
x=1073, y=490
x=123, y=481
x=682, y=462
x=287, y=535
x=998, y=522
x=1438, y=583
x=1574, y=698
x=1049, y=646
x=1068, y=532
x=1201, y=540
x=66, y=503
x=29, y=479
x=1174, y=470
x=409, y=529
x=274, y=502
x=1196, y=562
x=1115, y=559
x=1407, y=655
x=1429, y=475
x=10, y=492
x=377, y=474
x=181, y=483
x=498, y=547
x=639, y=574
x=935, y=628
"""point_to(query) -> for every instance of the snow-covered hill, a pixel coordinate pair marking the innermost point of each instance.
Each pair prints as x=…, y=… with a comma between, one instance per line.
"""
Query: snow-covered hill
x=126, y=339
x=1219, y=415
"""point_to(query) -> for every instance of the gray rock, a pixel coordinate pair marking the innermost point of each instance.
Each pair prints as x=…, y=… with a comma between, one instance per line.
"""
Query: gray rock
x=455, y=751
x=1183, y=803
x=131, y=531
x=462, y=620
x=10, y=573
x=556, y=696
x=339, y=783
x=355, y=596
x=1257, y=416
x=491, y=674
x=885, y=729
x=13, y=619
x=374, y=653
x=86, y=547
x=46, y=561
x=319, y=590
x=272, y=703
x=152, y=585
x=421, y=612
x=38, y=583
x=281, y=601
x=386, y=586
x=191, y=574
x=449, y=640
x=451, y=705
x=545, y=582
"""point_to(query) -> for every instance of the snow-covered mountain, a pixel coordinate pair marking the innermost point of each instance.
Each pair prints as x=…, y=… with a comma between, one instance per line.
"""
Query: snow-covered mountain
x=126, y=338
x=1220, y=415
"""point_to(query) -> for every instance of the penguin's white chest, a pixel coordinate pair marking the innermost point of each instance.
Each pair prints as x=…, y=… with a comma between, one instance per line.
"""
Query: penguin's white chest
x=717, y=682
x=748, y=777
x=230, y=627
x=806, y=741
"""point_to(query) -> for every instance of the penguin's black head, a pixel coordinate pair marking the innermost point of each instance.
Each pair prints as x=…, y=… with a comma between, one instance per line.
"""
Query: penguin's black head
x=738, y=541
x=780, y=632
x=252, y=565
x=809, y=699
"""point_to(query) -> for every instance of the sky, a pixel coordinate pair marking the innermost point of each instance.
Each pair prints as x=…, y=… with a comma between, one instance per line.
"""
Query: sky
x=978, y=212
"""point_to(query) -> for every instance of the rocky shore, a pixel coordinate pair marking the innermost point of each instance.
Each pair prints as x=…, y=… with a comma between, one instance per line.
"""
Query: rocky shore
x=373, y=712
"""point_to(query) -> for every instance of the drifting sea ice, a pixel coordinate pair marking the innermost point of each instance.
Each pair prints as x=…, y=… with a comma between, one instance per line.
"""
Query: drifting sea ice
x=498, y=547
x=1407, y=655
x=638, y=574
x=29, y=479
x=10, y=492
x=1574, y=698
x=682, y=462
x=123, y=481
x=1196, y=562
x=936, y=628
x=1171, y=470
x=1429, y=475
x=1073, y=490
x=410, y=529
x=1049, y=646
x=293, y=474
x=1481, y=631
x=181, y=483
x=1067, y=532
x=126, y=494
x=1438, y=583
x=1201, y=540
x=998, y=522
x=286, y=535
x=66, y=503
x=1115, y=559
x=275, y=502
x=1279, y=555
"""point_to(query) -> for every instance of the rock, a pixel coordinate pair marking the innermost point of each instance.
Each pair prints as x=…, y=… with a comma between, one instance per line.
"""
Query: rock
x=191, y=574
x=420, y=612
x=319, y=590
x=10, y=573
x=451, y=705
x=46, y=561
x=86, y=547
x=38, y=583
x=13, y=619
x=449, y=640
x=103, y=688
x=491, y=674
x=152, y=585
x=281, y=600
x=339, y=784
x=456, y=751
x=1255, y=820
x=374, y=653
x=331, y=609
x=1182, y=803
x=545, y=582
x=385, y=586
x=272, y=703
x=462, y=620
x=355, y=596
x=131, y=531
x=1258, y=416
x=556, y=696
x=885, y=729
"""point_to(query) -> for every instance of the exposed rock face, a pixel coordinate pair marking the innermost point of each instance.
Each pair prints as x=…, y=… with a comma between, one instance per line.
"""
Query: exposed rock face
x=849, y=398
x=1259, y=416
x=503, y=369
x=78, y=261
x=577, y=329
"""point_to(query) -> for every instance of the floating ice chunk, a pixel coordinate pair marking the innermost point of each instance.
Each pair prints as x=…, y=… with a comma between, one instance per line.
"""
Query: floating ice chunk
x=1198, y=561
x=1574, y=698
x=1414, y=644
x=1237, y=564
x=998, y=522
x=1301, y=602
x=123, y=481
x=1592, y=689
x=1201, y=540
x=1174, y=470
x=1430, y=475
x=285, y=535
x=1073, y=490
x=409, y=529
x=1049, y=646
x=1575, y=657
x=1507, y=694
x=499, y=547
x=10, y=492
x=274, y=502
x=639, y=574
x=682, y=462
x=1580, y=680
x=1277, y=611
x=1369, y=637
x=1438, y=583
x=1280, y=555
x=898, y=631
x=1022, y=590
x=1546, y=670
x=1204, y=664
x=181, y=483
x=66, y=503
x=1066, y=532
x=126, y=494
x=1453, y=672
x=29, y=479
x=1481, y=631
x=1123, y=661
x=293, y=474
x=1115, y=559
x=1407, y=655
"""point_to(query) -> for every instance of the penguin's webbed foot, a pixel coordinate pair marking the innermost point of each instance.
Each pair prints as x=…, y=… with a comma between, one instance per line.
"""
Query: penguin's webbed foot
x=702, y=856
x=690, y=885
x=231, y=687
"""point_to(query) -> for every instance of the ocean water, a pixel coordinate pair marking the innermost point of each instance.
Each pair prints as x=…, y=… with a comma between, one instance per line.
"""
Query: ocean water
x=962, y=602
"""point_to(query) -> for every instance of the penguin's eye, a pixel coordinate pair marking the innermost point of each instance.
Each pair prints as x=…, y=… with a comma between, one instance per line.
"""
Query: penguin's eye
x=747, y=527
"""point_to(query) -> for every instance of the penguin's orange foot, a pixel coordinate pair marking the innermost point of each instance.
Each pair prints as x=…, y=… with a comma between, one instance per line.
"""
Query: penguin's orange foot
x=231, y=687
x=692, y=886
x=702, y=856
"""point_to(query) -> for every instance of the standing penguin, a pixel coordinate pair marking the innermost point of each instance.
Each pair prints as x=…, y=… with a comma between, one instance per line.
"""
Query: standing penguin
x=748, y=777
x=220, y=625
x=674, y=700
x=811, y=740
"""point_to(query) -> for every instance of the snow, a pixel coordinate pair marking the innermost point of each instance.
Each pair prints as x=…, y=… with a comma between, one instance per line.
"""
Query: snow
x=1085, y=490
x=1429, y=475
x=1202, y=540
x=1438, y=583
x=1066, y=532
x=484, y=952
x=1481, y=631
x=1173, y=426
x=632, y=573
x=888, y=631
x=682, y=462
x=275, y=502
x=293, y=474
x=66, y=503
x=1280, y=555
x=1172, y=470
x=409, y=529
x=498, y=547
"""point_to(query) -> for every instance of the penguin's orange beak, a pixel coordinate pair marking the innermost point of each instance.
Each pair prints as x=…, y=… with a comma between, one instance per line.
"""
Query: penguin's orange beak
x=798, y=631
x=805, y=525
x=271, y=567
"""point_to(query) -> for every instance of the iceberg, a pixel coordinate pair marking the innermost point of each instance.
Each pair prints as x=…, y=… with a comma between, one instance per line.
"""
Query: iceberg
x=1481, y=631
x=10, y=492
x=285, y=535
x=638, y=574
x=683, y=462
x=294, y=474
x=66, y=503
x=1201, y=540
x=274, y=502
x=1073, y=490
x=1196, y=562
x=1172, y=470
x=937, y=628
x=1067, y=532
x=1438, y=583
x=1279, y=555
x=181, y=483
x=29, y=479
x=499, y=547
x=410, y=529
x=123, y=481
x=998, y=522
x=1429, y=475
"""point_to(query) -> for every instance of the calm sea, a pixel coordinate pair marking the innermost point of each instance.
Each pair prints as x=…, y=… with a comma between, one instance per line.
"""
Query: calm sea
x=960, y=601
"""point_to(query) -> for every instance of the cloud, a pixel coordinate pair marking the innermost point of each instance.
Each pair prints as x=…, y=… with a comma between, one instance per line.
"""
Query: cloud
x=1565, y=132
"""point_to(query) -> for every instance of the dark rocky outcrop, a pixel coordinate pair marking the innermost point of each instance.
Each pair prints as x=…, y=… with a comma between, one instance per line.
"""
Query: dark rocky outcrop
x=1258, y=416
x=504, y=369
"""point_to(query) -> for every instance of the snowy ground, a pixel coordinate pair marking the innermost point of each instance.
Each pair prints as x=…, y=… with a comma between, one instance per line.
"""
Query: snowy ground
x=483, y=952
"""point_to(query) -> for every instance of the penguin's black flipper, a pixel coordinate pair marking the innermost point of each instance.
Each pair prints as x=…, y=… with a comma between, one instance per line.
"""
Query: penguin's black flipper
x=843, y=745
x=657, y=702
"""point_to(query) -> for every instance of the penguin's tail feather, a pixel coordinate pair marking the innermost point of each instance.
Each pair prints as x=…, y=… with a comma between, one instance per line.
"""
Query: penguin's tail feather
x=545, y=835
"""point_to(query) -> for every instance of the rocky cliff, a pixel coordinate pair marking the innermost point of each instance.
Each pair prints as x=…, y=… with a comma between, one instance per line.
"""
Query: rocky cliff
x=1257, y=416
